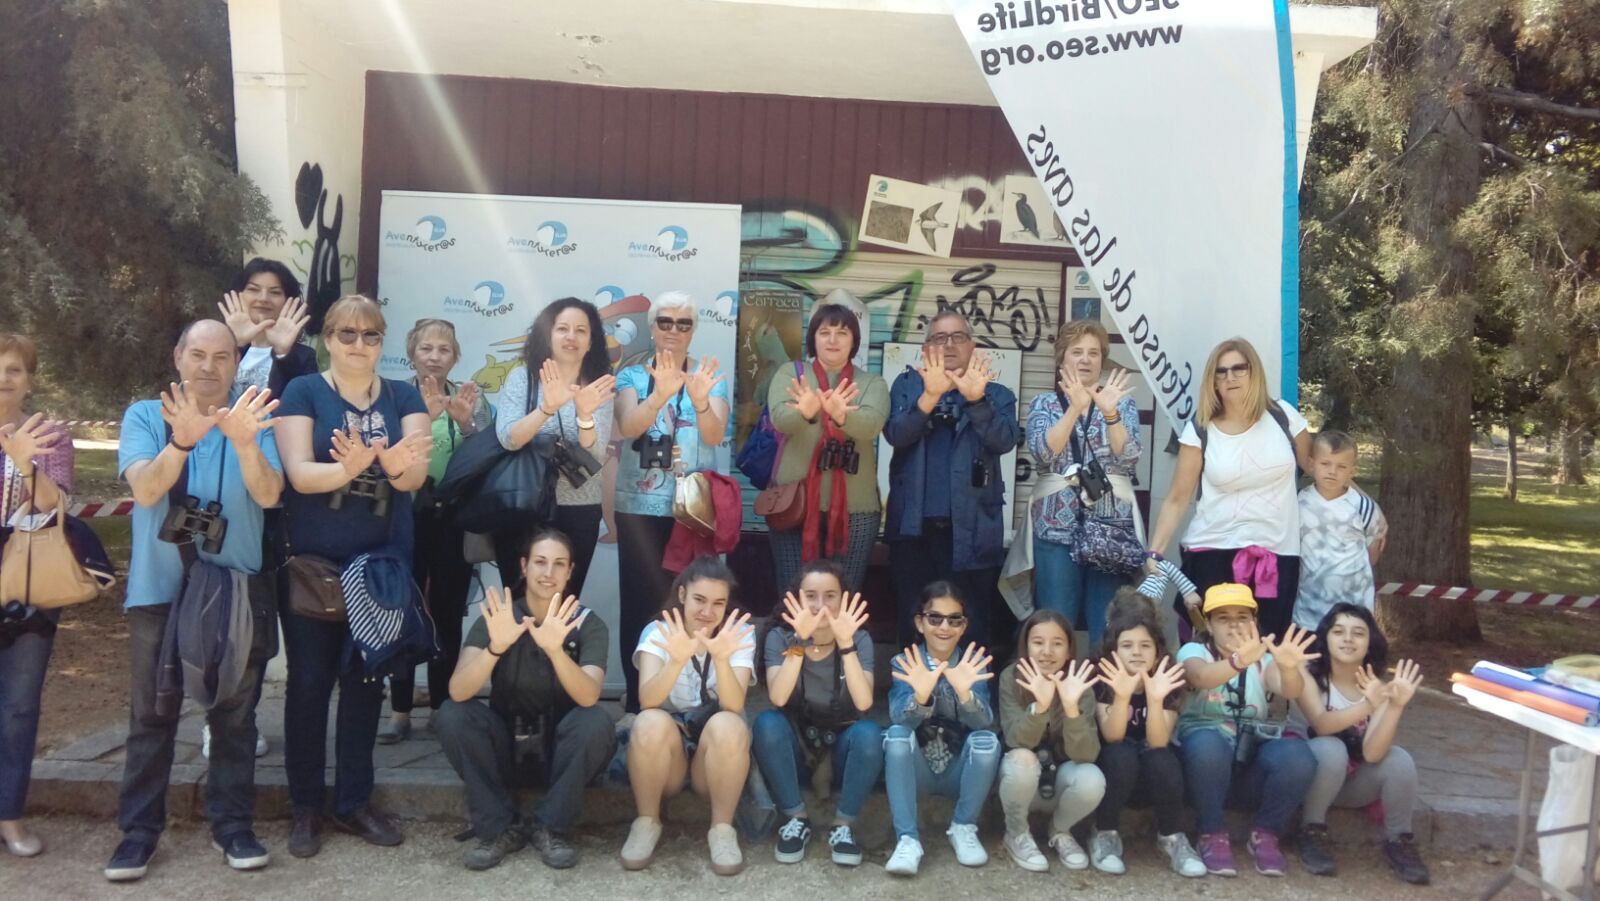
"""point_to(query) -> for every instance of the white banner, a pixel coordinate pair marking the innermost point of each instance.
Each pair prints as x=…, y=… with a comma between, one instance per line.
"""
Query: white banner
x=490, y=263
x=1163, y=135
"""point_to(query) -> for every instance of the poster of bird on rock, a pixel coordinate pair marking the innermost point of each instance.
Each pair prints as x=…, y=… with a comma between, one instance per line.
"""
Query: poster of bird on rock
x=1027, y=216
x=904, y=214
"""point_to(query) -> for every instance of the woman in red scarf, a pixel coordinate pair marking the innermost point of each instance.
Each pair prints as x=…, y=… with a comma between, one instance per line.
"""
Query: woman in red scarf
x=830, y=416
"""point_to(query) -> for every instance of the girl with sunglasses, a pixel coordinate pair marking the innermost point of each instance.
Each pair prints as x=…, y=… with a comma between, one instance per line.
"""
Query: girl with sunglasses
x=1047, y=717
x=1226, y=738
x=672, y=415
x=566, y=354
x=1351, y=715
x=819, y=679
x=942, y=739
x=347, y=432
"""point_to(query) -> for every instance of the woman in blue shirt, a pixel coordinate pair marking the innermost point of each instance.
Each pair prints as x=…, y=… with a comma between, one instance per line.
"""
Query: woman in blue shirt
x=342, y=426
x=672, y=415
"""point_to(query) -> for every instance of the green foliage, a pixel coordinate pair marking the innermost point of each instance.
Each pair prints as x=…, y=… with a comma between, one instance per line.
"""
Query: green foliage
x=121, y=213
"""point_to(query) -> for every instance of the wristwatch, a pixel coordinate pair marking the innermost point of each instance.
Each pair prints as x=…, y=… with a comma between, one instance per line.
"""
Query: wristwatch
x=845, y=652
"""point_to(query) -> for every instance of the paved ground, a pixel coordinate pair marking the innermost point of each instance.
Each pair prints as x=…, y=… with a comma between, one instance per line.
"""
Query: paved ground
x=426, y=867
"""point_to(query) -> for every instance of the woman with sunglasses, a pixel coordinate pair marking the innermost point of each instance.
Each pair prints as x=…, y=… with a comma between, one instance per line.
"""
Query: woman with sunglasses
x=351, y=438
x=830, y=414
x=1047, y=715
x=1240, y=453
x=36, y=462
x=942, y=739
x=1226, y=738
x=819, y=679
x=672, y=415
x=566, y=353
x=440, y=567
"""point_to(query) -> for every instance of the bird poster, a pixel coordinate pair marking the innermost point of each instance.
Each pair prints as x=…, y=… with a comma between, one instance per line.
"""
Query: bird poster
x=1028, y=217
x=909, y=216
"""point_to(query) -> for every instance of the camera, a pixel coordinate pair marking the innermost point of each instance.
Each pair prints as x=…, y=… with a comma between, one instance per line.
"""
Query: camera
x=1047, y=773
x=655, y=451
x=818, y=737
x=944, y=415
x=981, y=476
x=370, y=483
x=575, y=463
x=190, y=521
x=1250, y=739
x=1091, y=480
x=527, y=738
x=838, y=454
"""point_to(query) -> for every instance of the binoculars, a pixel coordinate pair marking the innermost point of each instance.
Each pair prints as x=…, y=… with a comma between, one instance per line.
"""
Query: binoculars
x=655, y=451
x=192, y=522
x=371, y=484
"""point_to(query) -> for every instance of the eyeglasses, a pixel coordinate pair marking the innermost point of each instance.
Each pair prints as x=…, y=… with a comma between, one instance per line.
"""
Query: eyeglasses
x=956, y=620
x=348, y=336
x=954, y=339
x=445, y=324
x=665, y=323
x=1236, y=371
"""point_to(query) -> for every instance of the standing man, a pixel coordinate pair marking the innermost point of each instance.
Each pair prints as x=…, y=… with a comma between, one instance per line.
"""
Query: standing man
x=949, y=424
x=202, y=442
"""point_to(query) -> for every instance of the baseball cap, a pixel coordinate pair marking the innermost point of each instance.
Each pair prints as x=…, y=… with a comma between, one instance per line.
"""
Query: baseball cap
x=1228, y=594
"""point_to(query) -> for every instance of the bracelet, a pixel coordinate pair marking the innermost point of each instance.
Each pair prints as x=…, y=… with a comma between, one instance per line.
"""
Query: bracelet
x=795, y=650
x=547, y=413
x=586, y=423
x=703, y=412
x=845, y=652
x=1233, y=661
x=174, y=443
x=1155, y=555
x=1113, y=420
x=493, y=652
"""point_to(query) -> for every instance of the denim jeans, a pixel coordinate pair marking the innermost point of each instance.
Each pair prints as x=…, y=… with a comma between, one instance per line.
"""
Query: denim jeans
x=22, y=667
x=147, y=768
x=1060, y=584
x=857, y=762
x=1274, y=783
x=967, y=779
x=478, y=743
x=319, y=658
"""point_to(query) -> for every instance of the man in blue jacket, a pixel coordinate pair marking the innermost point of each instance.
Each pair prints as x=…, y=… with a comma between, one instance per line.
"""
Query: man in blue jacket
x=949, y=424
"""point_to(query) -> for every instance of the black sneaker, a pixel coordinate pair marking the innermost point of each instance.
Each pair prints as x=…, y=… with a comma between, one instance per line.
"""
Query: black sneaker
x=553, y=847
x=242, y=851
x=487, y=853
x=793, y=837
x=1314, y=853
x=130, y=861
x=1401, y=853
x=370, y=826
x=305, y=835
x=842, y=842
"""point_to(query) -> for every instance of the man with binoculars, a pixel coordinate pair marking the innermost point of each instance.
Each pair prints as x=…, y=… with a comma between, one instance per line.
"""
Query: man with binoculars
x=202, y=464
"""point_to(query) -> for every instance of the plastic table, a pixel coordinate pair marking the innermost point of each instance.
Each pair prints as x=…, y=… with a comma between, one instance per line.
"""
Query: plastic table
x=1581, y=737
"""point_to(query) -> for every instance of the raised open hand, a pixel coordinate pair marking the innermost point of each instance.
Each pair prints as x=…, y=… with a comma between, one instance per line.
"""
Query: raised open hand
x=34, y=438
x=1252, y=647
x=1292, y=650
x=840, y=401
x=1407, y=678
x=667, y=370
x=248, y=416
x=406, y=453
x=704, y=378
x=556, y=390
x=1161, y=682
x=594, y=395
x=733, y=636
x=500, y=618
x=916, y=674
x=284, y=332
x=462, y=404
x=557, y=625
x=851, y=617
x=970, y=670
x=974, y=380
x=1372, y=686
x=1041, y=686
x=1115, y=672
x=672, y=637
x=802, y=619
x=433, y=396
x=1079, y=396
x=1073, y=681
x=353, y=452
x=1117, y=386
x=182, y=412
x=936, y=380
x=805, y=398
x=237, y=318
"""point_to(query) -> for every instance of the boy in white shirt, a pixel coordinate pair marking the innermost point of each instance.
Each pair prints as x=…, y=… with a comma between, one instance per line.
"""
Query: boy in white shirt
x=1342, y=532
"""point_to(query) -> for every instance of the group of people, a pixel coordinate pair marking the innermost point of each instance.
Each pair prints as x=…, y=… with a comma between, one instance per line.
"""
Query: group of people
x=1281, y=700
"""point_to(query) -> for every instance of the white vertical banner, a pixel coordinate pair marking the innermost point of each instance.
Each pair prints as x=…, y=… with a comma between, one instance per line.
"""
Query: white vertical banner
x=490, y=263
x=1163, y=135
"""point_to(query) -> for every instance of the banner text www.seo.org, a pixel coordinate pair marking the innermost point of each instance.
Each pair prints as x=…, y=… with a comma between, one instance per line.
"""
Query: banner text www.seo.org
x=994, y=58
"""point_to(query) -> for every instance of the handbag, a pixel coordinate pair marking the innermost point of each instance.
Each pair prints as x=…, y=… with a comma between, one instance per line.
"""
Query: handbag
x=519, y=490
x=40, y=568
x=1106, y=546
x=692, y=504
x=783, y=506
x=758, y=459
x=315, y=591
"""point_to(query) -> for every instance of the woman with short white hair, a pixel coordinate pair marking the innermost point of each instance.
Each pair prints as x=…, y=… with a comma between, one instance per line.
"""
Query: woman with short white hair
x=672, y=414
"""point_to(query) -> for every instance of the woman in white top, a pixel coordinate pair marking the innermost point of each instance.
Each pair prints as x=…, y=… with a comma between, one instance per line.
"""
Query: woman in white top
x=1240, y=452
x=695, y=664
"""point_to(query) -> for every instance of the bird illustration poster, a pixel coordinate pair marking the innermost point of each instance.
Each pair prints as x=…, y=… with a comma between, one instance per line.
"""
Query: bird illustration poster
x=1027, y=216
x=909, y=216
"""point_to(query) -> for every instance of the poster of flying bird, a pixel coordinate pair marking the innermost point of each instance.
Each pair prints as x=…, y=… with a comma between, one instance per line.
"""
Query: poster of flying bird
x=1027, y=215
x=909, y=216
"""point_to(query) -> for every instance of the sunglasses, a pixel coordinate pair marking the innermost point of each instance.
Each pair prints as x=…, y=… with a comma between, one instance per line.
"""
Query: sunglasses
x=954, y=339
x=1236, y=371
x=348, y=336
x=665, y=323
x=956, y=620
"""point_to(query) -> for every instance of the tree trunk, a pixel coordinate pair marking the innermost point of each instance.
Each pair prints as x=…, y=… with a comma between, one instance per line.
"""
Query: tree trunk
x=1427, y=449
x=1570, y=470
x=1511, y=461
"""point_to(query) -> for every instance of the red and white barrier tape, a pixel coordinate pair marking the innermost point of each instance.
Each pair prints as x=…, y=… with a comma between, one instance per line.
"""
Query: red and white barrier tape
x=1488, y=595
x=95, y=509
x=90, y=424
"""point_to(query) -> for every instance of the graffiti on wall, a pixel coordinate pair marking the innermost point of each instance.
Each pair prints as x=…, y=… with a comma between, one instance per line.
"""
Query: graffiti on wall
x=324, y=281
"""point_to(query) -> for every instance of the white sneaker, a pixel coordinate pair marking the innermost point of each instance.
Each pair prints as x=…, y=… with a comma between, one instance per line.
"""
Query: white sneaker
x=906, y=858
x=1184, y=860
x=726, y=858
x=205, y=742
x=1025, y=852
x=1105, y=849
x=1070, y=852
x=969, y=851
x=640, y=848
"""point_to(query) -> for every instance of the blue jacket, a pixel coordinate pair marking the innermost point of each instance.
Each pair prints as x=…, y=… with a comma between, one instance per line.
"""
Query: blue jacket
x=987, y=429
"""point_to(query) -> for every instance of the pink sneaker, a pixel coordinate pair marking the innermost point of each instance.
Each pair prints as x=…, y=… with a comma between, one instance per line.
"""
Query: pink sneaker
x=1264, y=848
x=1217, y=852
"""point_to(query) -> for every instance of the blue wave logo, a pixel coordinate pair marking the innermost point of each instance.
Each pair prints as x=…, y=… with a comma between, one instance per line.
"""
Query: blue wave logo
x=550, y=239
x=671, y=244
x=883, y=186
x=435, y=231
x=679, y=238
x=430, y=233
x=490, y=293
x=724, y=310
x=554, y=233
x=488, y=299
